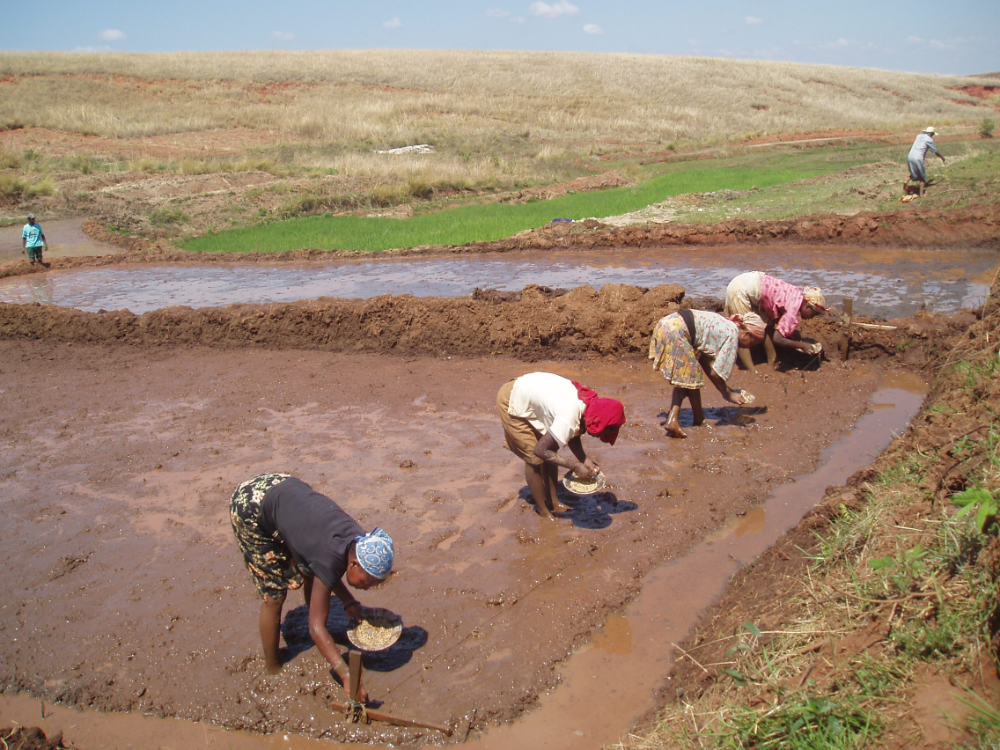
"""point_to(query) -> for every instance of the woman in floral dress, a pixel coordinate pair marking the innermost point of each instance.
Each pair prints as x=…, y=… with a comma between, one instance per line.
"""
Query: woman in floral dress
x=293, y=537
x=689, y=344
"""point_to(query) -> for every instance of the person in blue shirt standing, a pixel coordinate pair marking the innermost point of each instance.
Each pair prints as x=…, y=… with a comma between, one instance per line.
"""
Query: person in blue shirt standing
x=915, y=160
x=33, y=240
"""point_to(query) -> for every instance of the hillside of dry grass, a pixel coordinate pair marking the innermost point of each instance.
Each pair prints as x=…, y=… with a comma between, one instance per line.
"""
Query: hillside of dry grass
x=394, y=98
x=178, y=144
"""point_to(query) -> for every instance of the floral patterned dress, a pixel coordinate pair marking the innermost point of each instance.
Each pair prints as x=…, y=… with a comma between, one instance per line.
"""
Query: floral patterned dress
x=676, y=356
x=267, y=558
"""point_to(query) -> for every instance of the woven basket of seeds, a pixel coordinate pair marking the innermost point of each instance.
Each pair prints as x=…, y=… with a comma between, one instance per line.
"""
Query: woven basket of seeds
x=378, y=629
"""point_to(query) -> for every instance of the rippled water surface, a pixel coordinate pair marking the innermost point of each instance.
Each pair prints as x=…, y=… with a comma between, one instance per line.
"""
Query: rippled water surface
x=884, y=281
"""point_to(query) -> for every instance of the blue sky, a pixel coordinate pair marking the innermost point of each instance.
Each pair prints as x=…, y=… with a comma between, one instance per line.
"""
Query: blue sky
x=951, y=38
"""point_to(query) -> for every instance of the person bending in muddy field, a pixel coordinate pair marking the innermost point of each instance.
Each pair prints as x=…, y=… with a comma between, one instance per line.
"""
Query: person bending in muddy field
x=780, y=304
x=688, y=342
x=293, y=537
x=542, y=412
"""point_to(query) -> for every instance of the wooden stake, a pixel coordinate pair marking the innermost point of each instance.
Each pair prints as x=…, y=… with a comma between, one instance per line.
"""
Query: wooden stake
x=341, y=707
x=354, y=664
x=849, y=312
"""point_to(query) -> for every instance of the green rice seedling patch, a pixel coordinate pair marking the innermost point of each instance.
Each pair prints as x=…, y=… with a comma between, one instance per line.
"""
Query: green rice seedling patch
x=476, y=223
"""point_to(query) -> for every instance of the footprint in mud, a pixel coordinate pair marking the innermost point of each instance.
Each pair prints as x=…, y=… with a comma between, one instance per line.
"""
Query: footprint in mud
x=586, y=511
x=295, y=630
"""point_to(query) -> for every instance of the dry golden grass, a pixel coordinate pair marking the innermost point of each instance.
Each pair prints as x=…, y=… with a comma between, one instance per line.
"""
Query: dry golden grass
x=304, y=128
x=384, y=99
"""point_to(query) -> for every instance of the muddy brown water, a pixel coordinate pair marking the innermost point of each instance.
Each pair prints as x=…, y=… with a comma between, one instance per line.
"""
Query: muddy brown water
x=885, y=282
x=65, y=238
x=125, y=590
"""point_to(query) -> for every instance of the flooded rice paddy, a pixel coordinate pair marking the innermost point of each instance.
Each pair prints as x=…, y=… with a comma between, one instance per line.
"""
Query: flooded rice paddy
x=884, y=282
x=127, y=594
x=611, y=677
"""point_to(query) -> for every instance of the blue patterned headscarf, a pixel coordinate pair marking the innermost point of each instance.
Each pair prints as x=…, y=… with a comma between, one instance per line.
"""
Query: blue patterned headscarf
x=375, y=552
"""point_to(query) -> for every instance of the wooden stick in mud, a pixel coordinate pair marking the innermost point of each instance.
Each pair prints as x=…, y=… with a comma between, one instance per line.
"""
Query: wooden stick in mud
x=877, y=326
x=354, y=665
x=341, y=707
x=849, y=312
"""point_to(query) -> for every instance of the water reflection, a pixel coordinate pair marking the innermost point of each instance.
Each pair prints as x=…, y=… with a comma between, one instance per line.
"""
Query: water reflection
x=41, y=287
x=891, y=283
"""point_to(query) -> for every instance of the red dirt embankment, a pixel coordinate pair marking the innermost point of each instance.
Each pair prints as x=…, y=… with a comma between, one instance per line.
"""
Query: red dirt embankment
x=529, y=325
x=617, y=319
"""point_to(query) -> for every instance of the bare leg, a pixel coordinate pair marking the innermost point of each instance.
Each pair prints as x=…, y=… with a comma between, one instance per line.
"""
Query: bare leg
x=673, y=418
x=270, y=629
x=923, y=185
x=694, y=396
x=538, y=484
x=772, y=353
x=552, y=485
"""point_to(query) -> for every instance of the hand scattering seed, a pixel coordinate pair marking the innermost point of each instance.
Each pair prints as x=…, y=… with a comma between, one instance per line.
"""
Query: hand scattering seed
x=378, y=629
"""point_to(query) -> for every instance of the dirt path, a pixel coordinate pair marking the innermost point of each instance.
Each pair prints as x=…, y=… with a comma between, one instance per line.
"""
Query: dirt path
x=127, y=593
x=65, y=237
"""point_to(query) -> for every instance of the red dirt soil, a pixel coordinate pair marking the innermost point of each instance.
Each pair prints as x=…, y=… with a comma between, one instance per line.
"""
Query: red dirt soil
x=124, y=436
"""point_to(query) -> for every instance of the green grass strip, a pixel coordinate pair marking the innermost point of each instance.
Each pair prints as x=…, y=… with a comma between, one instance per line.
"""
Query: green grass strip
x=474, y=223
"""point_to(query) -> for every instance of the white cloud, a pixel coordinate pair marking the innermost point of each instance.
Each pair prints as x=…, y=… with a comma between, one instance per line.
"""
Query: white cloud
x=518, y=19
x=841, y=43
x=752, y=20
x=561, y=8
x=497, y=13
x=937, y=43
x=111, y=35
x=284, y=36
x=395, y=23
x=592, y=28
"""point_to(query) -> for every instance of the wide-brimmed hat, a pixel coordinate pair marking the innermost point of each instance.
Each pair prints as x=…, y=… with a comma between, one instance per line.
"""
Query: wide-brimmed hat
x=814, y=297
x=930, y=130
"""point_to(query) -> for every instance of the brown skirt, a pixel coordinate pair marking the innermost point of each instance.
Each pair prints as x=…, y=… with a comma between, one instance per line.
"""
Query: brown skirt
x=519, y=437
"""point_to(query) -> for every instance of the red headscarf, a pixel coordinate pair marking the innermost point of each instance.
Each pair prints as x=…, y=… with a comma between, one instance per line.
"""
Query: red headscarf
x=600, y=413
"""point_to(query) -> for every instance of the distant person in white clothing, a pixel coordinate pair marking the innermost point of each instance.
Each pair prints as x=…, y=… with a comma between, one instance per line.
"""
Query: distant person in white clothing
x=915, y=160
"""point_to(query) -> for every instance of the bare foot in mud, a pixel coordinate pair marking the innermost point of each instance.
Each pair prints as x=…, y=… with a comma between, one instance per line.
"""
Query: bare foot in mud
x=273, y=668
x=674, y=430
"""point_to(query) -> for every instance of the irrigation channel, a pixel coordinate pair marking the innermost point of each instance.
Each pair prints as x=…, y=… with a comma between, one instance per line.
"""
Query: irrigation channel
x=609, y=681
x=885, y=282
